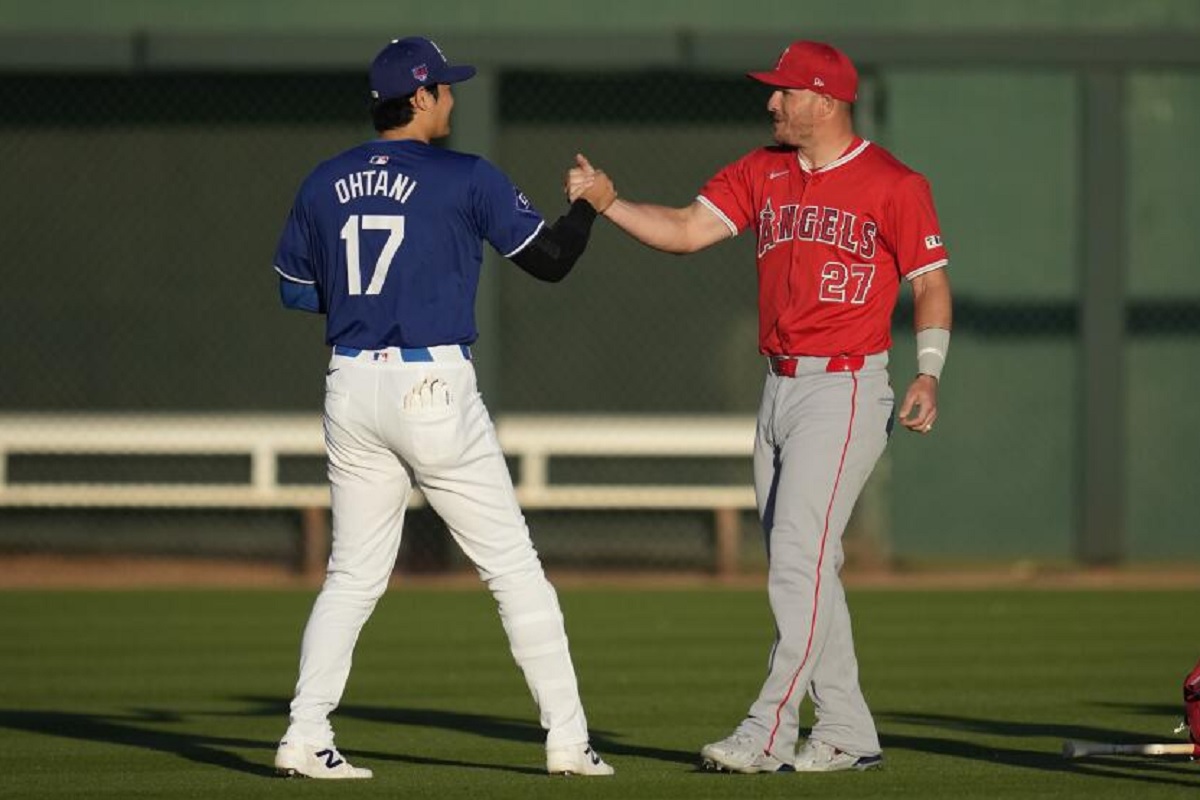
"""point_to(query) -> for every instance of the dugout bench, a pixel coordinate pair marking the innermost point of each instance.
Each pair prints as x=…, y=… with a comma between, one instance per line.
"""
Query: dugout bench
x=529, y=441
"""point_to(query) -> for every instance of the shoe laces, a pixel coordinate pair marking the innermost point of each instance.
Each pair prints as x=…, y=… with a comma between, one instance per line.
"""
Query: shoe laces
x=822, y=752
x=745, y=740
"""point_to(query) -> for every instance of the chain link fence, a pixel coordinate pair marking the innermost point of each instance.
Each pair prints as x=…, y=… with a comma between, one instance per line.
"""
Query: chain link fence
x=141, y=213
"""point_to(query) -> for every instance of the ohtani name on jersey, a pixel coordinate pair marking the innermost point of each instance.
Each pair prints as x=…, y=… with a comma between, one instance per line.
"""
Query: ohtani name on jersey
x=816, y=224
x=374, y=182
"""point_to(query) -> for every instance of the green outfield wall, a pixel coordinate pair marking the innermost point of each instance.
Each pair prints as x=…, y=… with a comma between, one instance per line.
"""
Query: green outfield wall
x=143, y=197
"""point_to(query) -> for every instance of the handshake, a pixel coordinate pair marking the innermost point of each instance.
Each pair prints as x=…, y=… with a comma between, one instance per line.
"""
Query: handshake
x=593, y=185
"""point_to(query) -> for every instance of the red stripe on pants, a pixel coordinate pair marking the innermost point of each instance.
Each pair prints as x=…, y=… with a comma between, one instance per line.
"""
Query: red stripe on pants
x=812, y=627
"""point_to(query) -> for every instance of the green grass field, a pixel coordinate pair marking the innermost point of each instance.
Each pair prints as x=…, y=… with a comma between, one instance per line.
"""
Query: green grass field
x=170, y=694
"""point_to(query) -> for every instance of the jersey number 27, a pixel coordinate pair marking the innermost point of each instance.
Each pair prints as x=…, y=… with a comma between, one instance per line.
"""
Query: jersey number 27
x=842, y=284
x=394, y=225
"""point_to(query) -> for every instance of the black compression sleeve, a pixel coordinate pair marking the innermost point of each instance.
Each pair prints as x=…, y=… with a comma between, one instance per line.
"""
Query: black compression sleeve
x=554, y=251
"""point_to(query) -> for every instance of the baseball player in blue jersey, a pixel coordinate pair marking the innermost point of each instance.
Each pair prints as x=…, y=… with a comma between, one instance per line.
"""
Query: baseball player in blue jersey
x=385, y=240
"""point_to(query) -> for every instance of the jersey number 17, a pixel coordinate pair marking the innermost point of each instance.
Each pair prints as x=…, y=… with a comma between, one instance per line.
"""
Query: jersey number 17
x=394, y=225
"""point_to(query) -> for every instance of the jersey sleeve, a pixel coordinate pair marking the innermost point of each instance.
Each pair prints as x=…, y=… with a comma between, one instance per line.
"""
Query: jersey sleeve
x=293, y=260
x=506, y=218
x=728, y=195
x=915, y=229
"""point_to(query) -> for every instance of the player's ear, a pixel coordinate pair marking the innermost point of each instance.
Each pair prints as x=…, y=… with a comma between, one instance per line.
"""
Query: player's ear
x=829, y=106
x=421, y=99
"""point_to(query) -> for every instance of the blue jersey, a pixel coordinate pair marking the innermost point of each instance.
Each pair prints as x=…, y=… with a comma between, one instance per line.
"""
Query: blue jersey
x=390, y=234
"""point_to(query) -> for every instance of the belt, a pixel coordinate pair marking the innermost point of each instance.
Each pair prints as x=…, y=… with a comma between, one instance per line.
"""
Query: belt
x=785, y=366
x=445, y=352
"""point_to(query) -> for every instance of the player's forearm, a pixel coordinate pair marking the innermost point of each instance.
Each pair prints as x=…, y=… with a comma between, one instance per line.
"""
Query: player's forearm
x=556, y=248
x=660, y=227
x=932, y=305
x=932, y=317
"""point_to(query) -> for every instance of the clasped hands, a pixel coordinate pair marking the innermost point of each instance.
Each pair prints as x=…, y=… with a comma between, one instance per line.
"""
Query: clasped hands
x=593, y=185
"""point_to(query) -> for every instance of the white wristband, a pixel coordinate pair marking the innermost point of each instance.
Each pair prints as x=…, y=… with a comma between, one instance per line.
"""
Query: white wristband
x=932, y=344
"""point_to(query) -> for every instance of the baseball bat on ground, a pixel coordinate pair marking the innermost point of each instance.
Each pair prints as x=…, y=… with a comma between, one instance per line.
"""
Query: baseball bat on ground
x=1077, y=749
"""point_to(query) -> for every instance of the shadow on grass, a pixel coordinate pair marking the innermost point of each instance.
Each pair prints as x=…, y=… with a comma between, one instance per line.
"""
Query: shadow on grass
x=134, y=730
x=493, y=727
x=1161, y=710
x=143, y=728
x=1156, y=770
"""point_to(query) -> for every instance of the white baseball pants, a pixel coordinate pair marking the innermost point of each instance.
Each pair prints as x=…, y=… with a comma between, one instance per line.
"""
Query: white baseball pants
x=391, y=424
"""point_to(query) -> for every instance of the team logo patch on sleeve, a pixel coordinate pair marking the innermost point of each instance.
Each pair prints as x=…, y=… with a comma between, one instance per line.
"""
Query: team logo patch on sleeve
x=523, y=203
x=932, y=242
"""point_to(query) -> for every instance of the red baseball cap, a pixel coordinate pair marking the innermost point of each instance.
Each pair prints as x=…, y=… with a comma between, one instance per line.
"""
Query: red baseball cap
x=815, y=66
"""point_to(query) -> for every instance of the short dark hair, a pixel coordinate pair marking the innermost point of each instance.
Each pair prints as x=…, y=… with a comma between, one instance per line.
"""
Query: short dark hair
x=396, y=112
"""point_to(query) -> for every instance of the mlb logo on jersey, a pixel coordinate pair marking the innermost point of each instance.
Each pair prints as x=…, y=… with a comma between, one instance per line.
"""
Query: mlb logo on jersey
x=379, y=161
x=421, y=72
x=932, y=242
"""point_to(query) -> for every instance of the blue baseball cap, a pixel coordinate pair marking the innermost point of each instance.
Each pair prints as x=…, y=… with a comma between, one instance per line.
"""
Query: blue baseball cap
x=406, y=65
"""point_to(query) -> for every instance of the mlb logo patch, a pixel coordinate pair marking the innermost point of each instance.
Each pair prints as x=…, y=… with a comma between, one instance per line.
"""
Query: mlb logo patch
x=421, y=72
x=818, y=82
x=932, y=242
x=379, y=160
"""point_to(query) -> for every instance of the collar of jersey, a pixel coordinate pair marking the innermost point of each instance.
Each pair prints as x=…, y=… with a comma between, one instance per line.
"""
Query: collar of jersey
x=401, y=142
x=853, y=151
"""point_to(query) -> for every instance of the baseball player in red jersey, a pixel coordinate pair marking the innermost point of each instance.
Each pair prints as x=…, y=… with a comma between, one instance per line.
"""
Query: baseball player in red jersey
x=839, y=222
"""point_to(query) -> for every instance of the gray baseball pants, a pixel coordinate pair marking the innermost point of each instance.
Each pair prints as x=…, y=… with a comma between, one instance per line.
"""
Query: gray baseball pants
x=819, y=435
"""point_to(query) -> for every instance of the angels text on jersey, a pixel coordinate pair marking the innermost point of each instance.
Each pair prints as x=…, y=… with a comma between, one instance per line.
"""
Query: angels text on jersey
x=825, y=224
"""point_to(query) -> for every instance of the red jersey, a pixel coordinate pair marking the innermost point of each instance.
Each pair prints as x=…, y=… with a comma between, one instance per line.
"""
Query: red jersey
x=833, y=244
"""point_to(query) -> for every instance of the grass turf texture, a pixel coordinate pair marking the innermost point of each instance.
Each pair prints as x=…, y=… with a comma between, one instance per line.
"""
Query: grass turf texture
x=183, y=694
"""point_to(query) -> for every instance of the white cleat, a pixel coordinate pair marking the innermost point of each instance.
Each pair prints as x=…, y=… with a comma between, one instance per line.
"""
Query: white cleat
x=296, y=758
x=576, y=759
x=740, y=753
x=816, y=756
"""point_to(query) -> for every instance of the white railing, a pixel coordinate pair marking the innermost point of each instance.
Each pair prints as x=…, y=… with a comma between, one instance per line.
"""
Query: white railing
x=532, y=440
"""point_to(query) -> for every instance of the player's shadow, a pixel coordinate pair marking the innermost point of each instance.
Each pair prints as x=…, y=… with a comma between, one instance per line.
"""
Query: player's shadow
x=148, y=729
x=1158, y=770
x=1157, y=710
x=143, y=728
x=517, y=730
x=139, y=728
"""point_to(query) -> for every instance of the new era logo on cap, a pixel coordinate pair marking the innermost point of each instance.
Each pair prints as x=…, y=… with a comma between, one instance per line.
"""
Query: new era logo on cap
x=816, y=66
x=406, y=65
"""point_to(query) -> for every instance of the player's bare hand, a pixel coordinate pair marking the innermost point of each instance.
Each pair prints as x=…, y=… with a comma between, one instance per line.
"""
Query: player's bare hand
x=919, y=409
x=579, y=178
x=593, y=185
x=576, y=186
x=601, y=193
